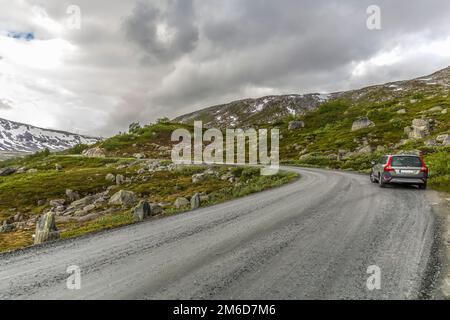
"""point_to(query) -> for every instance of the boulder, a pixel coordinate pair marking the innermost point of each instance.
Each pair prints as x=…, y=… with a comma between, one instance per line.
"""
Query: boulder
x=431, y=143
x=110, y=177
x=5, y=227
x=7, y=171
x=120, y=179
x=421, y=123
x=57, y=202
x=198, y=177
x=295, y=125
x=46, y=228
x=419, y=130
x=72, y=195
x=95, y=152
x=141, y=171
x=195, y=201
x=21, y=170
x=362, y=123
x=364, y=150
x=401, y=111
x=155, y=209
x=436, y=109
x=58, y=167
x=32, y=170
x=139, y=156
x=444, y=139
x=123, y=198
x=145, y=209
x=141, y=211
x=181, y=202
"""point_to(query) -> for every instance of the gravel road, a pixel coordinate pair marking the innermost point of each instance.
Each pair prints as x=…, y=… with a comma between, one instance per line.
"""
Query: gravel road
x=311, y=239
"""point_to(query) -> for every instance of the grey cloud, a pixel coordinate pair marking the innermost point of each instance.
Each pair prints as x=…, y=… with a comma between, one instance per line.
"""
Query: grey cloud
x=215, y=51
x=180, y=36
x=5, y=105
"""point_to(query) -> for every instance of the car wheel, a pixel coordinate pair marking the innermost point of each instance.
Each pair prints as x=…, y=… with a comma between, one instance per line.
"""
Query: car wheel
x=380, y=182
x=423, y=186
x=372, y=178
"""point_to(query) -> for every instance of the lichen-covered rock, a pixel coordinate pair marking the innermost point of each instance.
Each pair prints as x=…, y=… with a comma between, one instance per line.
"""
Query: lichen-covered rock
x=95, y=152
x=123, y=198
x=362, y=123
x=57, y=202
x=144, y=210
x=419, y=130
x=141, y=211
x=295, y=125
x=444, y=139
x=195, y=201
x=7, y=171
x=72, y=195
x=110, y=177
x=6, y=227
x=120, y=179
x=46, y=228
x=181, y=202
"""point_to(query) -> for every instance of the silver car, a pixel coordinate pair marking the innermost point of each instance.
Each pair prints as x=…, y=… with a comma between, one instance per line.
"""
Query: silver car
x=401, y=168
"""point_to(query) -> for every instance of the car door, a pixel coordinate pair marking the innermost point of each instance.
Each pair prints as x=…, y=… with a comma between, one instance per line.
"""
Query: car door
x=380, y=165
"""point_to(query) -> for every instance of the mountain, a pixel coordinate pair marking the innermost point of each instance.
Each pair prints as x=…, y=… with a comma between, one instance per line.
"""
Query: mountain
x=270, y=109
x=246, y=112
x=17, y=137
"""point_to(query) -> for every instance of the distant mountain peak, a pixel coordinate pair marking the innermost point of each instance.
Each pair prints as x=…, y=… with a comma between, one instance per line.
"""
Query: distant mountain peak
x=20, y=137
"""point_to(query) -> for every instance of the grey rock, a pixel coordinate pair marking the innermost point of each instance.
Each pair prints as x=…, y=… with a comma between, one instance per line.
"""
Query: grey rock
x=139, y=156
x=181, y=202
x=124, y=198
x=110, y=177
x=5, y=227
x=195, y=201
x=95, y=152
x=57, y=202
x=120, y=179
x=155, y=209
x=141, y=211
x=295, y=125
x=46, y=228
x=58, y=167
x=72, y=195
x=362, y=123
x=7, y=171
x=436, y=109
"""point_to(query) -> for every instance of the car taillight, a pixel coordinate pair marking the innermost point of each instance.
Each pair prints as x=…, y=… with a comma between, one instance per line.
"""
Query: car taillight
x=424, y=167
x=387, y=167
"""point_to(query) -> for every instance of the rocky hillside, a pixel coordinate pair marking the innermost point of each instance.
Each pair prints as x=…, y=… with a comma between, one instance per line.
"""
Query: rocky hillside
x=347, y=130
x=244, y=113
x=270, y=109
x=18, y=137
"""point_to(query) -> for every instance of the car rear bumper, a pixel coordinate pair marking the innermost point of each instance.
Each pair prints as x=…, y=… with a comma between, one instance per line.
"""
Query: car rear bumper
x=407, y=180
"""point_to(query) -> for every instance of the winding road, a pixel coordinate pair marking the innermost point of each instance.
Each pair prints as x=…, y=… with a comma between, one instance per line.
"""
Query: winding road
x=311, y=239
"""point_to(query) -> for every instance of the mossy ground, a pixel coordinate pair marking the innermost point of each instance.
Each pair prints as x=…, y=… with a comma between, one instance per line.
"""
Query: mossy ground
x=20, y=193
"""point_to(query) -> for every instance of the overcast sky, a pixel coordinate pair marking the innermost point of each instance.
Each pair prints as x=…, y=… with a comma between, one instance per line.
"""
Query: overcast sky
x=141, y=60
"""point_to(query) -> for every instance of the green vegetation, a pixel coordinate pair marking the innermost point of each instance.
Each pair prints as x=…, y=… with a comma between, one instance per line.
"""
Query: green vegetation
x=327, y=134
x=29, y=193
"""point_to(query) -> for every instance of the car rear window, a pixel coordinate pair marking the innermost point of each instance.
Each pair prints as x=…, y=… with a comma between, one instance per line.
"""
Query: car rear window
x=406, y=162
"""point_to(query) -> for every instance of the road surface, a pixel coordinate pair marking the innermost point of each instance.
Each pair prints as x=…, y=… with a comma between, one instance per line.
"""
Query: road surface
x=314, y=238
